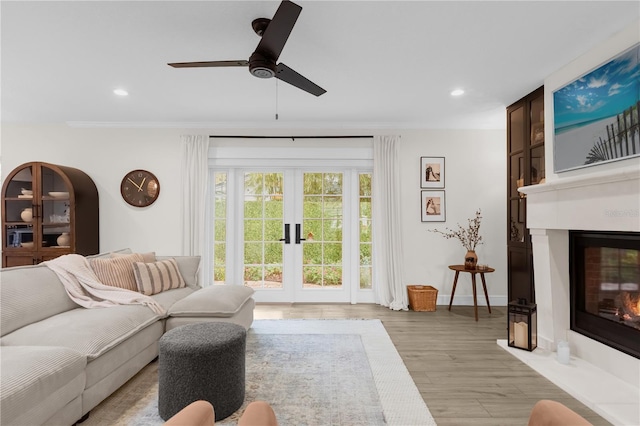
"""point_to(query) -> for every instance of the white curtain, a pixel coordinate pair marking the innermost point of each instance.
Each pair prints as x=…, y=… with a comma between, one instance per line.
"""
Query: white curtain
x=388, y=279
x=195, y=179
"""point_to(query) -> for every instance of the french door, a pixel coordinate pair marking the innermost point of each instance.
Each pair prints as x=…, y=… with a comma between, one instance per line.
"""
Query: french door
x=293, y=233
x=292, y=219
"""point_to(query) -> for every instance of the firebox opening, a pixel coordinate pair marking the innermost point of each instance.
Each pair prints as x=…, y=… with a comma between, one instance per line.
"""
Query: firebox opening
x=605, y=288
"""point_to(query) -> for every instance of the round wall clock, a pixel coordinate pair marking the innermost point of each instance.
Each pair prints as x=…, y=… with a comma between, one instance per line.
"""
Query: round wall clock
x=140, y=188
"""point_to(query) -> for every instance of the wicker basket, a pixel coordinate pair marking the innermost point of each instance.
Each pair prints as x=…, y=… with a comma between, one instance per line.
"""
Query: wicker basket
x=422, y=297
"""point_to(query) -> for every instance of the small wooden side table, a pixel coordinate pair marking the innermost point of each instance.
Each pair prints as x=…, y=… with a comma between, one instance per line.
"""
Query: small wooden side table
x=473, y=272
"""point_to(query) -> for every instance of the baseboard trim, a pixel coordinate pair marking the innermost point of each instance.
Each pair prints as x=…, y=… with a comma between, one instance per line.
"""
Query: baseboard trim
x=467, y=300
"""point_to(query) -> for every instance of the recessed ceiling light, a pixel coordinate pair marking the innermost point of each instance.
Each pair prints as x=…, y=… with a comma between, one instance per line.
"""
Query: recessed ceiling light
x=120, y=92
x=457, y=92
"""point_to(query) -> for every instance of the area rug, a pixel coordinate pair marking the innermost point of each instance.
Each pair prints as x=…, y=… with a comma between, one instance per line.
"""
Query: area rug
x=313, y=372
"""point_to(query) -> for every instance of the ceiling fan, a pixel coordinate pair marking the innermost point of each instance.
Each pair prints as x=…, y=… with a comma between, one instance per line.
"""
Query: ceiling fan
x=262, y=62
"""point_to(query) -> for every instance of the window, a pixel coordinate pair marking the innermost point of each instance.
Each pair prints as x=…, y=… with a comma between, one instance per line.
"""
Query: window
x=220, y=228
x=365, y=230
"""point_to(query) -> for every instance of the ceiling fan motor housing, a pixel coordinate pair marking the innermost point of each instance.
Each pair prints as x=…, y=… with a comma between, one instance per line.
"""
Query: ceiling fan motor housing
x=261, y=66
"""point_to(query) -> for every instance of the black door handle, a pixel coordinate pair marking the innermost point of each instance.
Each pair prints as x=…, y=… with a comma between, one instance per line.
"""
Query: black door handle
x=298, y=239
x=287, y=234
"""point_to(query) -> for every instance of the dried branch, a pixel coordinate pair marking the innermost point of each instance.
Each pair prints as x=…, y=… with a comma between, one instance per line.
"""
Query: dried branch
x=469, y=237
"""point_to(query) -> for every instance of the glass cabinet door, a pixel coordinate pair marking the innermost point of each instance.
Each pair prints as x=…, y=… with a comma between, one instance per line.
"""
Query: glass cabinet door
x=536, y=165
x=19, y=210
x=516, y=130
x=56, y=211
x=536, y=144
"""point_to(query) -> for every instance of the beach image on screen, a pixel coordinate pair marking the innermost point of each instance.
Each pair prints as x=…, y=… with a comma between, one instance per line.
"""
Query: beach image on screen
x=596, y=116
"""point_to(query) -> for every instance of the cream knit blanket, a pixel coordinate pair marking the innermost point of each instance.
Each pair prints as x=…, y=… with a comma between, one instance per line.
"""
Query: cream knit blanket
x=84, y=287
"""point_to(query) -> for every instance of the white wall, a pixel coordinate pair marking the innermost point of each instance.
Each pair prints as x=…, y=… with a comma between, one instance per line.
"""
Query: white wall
x=106, y=155
x=475, y=178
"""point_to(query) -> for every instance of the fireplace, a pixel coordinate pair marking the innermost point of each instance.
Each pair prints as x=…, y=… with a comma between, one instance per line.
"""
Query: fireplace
x=605, y=288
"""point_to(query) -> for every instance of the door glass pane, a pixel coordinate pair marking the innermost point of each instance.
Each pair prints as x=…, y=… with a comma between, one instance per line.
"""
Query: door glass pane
x=516, y=130
x=537, y=165
x=18, y=210
x=55, y=209
x=537, y=120
x=220, y=228
x=263, y=228
x=517, y=221
x=322, y=220
x=516, y=178
x=365, y=230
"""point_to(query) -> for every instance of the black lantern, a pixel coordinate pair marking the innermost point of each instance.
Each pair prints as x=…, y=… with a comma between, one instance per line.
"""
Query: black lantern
x=523, y=328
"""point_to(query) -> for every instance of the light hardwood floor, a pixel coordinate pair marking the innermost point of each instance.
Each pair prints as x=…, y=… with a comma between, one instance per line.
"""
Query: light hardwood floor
x=464, y=377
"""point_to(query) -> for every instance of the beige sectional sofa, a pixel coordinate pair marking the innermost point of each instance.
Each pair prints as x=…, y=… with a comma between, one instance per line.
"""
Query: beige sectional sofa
x=60, y=360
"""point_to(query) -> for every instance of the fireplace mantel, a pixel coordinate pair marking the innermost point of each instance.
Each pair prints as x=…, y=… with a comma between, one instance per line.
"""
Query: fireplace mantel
x=594, y=200
x=598, y=178
x=598, y=201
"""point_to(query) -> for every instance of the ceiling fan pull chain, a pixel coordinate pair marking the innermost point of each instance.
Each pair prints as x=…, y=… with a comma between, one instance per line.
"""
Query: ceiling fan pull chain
x=276, y=99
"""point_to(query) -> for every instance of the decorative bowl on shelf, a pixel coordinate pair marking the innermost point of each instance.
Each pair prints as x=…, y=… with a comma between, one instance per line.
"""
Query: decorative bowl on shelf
x=27, y=245
x=27, y=191
x=56, y=194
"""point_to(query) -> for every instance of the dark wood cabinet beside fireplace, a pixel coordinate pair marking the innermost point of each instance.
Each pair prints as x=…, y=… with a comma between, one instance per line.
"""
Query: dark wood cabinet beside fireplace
x=525, y=166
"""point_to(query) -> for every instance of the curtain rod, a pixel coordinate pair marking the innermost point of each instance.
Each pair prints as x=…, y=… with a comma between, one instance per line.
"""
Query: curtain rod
x=292, y=137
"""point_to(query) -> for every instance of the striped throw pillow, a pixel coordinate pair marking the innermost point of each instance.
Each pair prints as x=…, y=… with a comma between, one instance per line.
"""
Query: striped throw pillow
x=117, y=271
x=152, y=278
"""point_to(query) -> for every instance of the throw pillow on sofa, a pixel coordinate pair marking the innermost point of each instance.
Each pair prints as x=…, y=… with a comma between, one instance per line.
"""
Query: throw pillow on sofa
x=147, y=257
x=117, y=271
x=152, y=278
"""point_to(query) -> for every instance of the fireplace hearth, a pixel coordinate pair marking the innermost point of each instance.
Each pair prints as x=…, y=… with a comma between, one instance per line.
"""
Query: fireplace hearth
x=605, y=288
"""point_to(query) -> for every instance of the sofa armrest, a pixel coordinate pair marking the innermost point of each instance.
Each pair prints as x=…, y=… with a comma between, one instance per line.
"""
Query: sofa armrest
x=222, y=301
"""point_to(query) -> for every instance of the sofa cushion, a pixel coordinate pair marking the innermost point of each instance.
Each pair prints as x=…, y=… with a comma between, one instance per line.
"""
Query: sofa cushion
x=146, y=257
x=30, y=294
x=188, y=266
x=167, y=298
x=38, y=381
x=156, y=277
x=89, y=331
x=117, y=271
x=109, y=254
x=214, y=301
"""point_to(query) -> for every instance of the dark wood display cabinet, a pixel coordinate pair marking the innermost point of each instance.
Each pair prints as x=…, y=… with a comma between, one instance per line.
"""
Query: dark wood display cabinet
x=48, y=210
x=525, y=166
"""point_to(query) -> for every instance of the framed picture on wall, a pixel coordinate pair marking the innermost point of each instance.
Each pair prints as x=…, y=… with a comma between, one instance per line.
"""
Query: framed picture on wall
x=431, y=172
x=432, y=206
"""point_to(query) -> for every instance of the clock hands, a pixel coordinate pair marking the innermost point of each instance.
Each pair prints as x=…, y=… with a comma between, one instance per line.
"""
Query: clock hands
x=136, y=185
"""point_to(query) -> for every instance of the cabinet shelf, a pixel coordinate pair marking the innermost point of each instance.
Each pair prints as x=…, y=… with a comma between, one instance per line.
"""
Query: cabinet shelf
x=77, y=202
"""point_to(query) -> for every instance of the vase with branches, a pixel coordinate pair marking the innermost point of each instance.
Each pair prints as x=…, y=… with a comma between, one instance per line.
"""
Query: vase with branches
x=469, y=237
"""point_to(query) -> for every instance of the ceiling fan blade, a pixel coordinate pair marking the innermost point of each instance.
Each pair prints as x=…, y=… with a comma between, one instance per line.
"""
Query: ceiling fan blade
x=278, y=30
x=209, y=64
x=288, y=75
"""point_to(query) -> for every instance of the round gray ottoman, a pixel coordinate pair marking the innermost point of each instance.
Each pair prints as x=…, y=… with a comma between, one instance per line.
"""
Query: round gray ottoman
x=202, y=361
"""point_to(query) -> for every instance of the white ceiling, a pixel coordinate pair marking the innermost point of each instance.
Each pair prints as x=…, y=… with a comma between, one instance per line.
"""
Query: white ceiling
x=384, y=64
